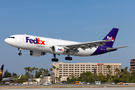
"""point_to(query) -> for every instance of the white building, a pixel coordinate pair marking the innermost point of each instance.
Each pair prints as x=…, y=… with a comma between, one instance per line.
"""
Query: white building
x=69, y=69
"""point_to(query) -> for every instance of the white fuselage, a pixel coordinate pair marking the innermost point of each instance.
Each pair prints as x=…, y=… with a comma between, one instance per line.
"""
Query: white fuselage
x=28, y=42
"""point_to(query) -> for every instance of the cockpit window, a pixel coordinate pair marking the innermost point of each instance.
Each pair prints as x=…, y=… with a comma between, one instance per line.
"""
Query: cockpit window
x=11, y=37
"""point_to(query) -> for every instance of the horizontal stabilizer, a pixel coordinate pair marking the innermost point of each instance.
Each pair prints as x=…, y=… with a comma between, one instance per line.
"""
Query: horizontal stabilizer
x=113, y=49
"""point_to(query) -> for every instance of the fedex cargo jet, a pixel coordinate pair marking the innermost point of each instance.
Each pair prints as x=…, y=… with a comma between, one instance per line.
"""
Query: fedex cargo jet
x=39, y=46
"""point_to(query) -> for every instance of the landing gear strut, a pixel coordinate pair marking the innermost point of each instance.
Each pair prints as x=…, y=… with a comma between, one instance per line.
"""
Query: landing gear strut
x=54, y=59
x=19, y=52
x=68, y=58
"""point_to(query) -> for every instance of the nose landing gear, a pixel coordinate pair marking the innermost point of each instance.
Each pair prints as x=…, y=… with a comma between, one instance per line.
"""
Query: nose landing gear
x=19, y=52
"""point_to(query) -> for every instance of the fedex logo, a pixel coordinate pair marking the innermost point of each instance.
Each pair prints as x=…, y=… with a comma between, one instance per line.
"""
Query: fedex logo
x=35, y=41
x=60, y=49
x=110, y=38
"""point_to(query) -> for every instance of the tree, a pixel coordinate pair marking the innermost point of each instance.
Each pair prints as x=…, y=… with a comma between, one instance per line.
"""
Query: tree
x=126, y=68
x=53, y=67
x=101, y=77
x=116, y=80
x=33, y=71
x=88, y=77
x=36, y=73
x=26, y=69
x=53, y=72
x=22, y=79
x=6, y=74
x=47, y=72
x=131, y=70
x=108, y=67
x=14, y=75
x=59, y=78
x=117, y=71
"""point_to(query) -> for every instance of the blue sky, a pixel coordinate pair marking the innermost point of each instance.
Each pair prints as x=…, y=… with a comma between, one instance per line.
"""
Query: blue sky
x=75, y=20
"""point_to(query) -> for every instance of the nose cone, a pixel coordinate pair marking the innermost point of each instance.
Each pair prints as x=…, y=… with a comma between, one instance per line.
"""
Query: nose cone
x=6, y=40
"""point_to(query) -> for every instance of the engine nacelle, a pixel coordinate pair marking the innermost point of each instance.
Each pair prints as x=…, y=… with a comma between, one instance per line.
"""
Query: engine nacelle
x=37, y=53
x=57, y=50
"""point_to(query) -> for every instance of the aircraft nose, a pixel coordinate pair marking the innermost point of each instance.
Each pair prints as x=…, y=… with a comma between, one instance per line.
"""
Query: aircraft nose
x=6, y=40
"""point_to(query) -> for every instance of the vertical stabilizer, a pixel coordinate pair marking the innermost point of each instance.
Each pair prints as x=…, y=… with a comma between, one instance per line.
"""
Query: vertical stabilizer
x=1, y=72
x=111, y=36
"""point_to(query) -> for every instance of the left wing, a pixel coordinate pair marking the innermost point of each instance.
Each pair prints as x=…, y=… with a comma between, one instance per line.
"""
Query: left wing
x=86, y=45
x=112, y=49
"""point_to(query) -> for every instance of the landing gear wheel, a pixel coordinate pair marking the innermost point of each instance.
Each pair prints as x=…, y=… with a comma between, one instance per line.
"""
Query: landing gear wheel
x=55, y=60
x=68, y=58
x=19, y=54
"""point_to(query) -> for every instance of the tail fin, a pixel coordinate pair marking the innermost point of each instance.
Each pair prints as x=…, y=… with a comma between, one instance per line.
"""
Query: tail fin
x=1, y=72
x=111, y=36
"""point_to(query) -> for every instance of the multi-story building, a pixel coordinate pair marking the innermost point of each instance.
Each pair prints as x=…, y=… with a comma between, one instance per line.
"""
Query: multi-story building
x=68, y=69
x=132, y=64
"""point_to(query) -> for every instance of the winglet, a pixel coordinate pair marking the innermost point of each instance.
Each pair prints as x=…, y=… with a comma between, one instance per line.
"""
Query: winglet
x=111, y=36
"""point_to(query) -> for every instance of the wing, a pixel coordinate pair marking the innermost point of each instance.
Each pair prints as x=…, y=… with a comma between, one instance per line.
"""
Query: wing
x=86, y=45
x=112, y=49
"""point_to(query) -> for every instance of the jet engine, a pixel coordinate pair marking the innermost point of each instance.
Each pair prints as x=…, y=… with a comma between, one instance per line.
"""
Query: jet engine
x=57, y=50
x=37, y=53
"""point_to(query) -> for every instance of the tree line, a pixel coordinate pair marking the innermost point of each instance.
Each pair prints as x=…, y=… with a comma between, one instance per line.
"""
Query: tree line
x=122, y=75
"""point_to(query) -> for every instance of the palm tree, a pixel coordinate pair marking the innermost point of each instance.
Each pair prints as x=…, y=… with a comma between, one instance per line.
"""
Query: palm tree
x=57, y=69
x=108, y=67
x=47, y=72
x=33, y=70
x=54, y=71
x=56, y=78
x=36, y=72
x=42, y=69
x=131, y=70
x=59, y=78
x=53, y=67
x=26, y=69
x=126, y=68
x=117, y=71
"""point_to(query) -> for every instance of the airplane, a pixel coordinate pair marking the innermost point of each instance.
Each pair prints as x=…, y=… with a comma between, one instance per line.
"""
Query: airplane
x=1, y=72
x=39, y=46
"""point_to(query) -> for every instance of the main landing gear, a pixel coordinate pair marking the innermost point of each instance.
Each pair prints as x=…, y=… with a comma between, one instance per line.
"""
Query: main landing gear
x=55, y=59
x=68, y=58
x=19, y=52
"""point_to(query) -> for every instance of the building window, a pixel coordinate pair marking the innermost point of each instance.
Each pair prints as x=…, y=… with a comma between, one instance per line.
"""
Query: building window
x=132, y=65
x=60, y=64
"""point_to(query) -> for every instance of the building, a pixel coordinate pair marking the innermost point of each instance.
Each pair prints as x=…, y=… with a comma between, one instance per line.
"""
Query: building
x=68, y=69
x=132, y=64
x=44, y=79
